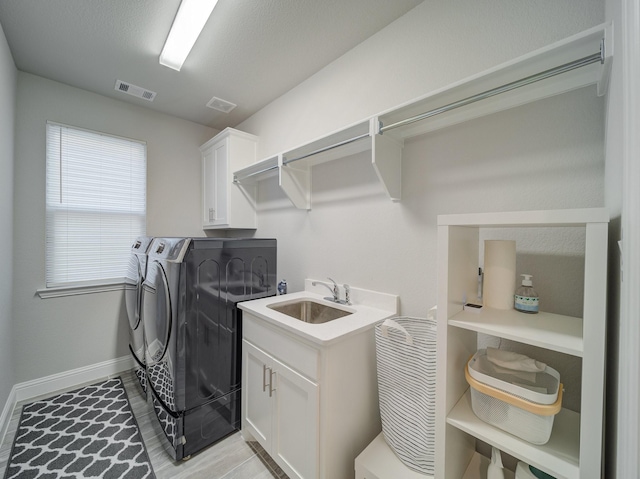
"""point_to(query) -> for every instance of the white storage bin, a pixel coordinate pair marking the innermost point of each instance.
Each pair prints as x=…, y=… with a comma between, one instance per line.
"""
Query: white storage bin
x=521, y=403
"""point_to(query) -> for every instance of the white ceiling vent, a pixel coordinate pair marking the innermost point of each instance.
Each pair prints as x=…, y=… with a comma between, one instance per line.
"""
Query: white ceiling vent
x=135, y=90
x=221, y=105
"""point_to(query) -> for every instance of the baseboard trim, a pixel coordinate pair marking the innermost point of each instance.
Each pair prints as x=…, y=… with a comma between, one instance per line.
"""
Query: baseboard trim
x=7, y=412
x=60, y=382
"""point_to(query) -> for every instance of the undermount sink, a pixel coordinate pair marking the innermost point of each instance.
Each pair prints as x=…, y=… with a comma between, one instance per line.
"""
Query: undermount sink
x=309, y=311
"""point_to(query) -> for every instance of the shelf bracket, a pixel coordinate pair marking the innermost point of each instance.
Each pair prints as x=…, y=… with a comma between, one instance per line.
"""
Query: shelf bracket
x=606, y=53
x=386, y=158
x=296, y=183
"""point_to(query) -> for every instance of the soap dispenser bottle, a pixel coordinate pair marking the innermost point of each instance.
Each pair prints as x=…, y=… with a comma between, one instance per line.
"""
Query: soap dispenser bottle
x=526, y=299
x=495, y=470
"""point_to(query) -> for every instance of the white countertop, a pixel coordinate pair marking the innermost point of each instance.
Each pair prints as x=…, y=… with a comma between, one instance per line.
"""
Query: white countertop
x=367, y=308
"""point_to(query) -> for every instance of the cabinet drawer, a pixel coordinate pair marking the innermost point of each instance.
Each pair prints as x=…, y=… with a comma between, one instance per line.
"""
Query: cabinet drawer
x=292, y=352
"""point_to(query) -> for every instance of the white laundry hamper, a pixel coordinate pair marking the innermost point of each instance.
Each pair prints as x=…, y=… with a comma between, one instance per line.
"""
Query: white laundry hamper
x=406, y=364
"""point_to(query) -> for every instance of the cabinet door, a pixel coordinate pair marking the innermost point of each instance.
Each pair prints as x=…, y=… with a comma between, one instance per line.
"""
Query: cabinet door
x=214, y=185
x=295, y=423
x=257, y=403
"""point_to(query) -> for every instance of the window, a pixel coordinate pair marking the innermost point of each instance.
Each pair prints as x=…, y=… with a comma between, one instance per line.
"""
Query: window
x=96, y=205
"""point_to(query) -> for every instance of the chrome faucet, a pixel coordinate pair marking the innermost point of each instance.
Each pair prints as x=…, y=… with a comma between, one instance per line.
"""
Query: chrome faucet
x=335, y=291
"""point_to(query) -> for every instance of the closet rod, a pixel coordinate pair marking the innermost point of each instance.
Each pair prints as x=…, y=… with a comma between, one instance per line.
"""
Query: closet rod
x=264, y=170
x=326, y=148
x=315, y=152
x=596, y=57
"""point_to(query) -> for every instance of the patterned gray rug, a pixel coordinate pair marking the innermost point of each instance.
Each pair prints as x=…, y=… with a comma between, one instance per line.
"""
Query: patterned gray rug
x=90, y=432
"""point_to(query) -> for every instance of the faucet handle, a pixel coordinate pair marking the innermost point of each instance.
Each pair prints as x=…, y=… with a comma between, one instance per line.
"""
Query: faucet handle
x=336, y=291
x=347, y=294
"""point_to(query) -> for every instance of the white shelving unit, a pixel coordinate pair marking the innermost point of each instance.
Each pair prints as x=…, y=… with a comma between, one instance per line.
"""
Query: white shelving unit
x=574, y=450
x=581, y=60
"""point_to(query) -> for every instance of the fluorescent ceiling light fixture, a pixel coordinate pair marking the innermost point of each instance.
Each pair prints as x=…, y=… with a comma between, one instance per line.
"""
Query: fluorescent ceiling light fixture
x=189, y=22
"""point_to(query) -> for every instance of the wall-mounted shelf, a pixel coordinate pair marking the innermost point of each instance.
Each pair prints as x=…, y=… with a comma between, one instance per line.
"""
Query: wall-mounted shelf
x=293, y=167
x=261, y=170
x=575, y=62
x=580, y=60
x=339, y=144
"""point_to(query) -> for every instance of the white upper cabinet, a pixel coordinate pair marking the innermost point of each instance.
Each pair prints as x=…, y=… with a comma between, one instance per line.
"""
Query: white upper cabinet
x=224, y=204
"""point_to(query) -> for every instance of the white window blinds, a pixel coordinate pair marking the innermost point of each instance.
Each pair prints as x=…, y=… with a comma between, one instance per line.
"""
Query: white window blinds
x=96, y=204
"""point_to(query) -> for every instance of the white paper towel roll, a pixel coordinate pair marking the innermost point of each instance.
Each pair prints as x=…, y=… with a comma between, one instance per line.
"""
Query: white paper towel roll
x=499, y=273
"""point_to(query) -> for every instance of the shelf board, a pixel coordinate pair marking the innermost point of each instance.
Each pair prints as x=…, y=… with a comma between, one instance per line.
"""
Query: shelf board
x=546, y=330
x=559, y=457
x=570, y=217
x=293, y=167
x=258, y=171
x=339, y=144
x=564, y=51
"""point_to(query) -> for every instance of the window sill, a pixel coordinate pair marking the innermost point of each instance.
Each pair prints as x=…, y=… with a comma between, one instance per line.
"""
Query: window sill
x=60, y=291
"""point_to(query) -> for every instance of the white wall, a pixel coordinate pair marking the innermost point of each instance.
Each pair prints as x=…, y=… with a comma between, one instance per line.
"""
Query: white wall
x=8, y=78
x=56, y=335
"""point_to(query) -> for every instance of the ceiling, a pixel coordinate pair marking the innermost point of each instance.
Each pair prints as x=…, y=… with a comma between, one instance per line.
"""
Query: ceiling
x=249, y=53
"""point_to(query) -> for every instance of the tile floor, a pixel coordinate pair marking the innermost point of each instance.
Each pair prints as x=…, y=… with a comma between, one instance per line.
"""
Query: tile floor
x=231, y=458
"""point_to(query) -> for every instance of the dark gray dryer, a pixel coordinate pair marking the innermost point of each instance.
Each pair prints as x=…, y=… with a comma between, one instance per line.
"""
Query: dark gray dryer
x=193, y=332
x=136, y=272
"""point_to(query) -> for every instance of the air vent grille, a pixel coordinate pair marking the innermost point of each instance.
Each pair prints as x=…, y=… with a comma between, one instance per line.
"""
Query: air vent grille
x=221, y=105
x=134, y=90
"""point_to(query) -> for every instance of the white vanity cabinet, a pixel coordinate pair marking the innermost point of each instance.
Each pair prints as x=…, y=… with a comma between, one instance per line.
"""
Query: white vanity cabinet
x=574, y=450
x=224, y=204
x=281, y=411
x=312, y=407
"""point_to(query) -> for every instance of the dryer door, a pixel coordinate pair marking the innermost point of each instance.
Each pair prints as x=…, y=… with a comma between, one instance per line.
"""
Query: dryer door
x=157, y=318
x=133, y=291
x=132, y=296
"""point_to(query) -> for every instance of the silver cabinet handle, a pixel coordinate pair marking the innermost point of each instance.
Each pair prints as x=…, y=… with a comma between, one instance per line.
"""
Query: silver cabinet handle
x=264, y=378
x=212, y=214
x=271, y=388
